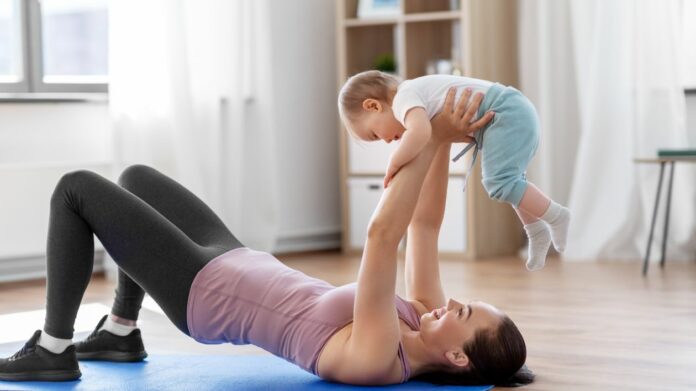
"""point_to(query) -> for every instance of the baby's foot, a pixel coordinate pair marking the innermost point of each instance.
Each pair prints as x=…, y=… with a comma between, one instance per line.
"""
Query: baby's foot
x=558, y=219
x=539, y=243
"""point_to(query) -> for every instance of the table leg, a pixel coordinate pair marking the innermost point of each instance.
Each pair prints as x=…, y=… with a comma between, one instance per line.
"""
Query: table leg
x=669, y=202
x=654, y=217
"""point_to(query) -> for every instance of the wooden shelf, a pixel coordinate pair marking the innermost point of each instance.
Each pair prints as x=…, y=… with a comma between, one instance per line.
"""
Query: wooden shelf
x=369, y=22
x=382, y=39
x=408, y=18
x=432, y=16
x=431, y=40
x=426, y=31
x=430, y=6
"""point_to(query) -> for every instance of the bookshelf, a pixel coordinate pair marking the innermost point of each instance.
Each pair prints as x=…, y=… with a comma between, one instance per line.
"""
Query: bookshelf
x=424, y=32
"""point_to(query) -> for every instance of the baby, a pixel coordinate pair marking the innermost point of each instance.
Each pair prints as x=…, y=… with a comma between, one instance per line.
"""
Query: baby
x=375, y=106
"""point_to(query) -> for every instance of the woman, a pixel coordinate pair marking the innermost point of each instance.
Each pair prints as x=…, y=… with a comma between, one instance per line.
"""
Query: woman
x=215, y=290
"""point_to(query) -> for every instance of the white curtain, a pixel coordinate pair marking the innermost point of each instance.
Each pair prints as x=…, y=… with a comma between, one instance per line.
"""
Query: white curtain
x=190, y=95
x=605, y=76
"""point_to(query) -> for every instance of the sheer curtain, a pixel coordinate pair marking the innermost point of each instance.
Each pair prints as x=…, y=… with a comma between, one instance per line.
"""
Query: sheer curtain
x=605, y=76
x=190, y=95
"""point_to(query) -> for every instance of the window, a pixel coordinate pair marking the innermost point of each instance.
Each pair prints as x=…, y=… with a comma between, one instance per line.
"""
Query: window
x=10, y=42
x=689, y=42
x=53, y=45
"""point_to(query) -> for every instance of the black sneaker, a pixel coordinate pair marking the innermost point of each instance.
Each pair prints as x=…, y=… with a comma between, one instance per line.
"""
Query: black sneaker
x=105, y=346
x=33, y=362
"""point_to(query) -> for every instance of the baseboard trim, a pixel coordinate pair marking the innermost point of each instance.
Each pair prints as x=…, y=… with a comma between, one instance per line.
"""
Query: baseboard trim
x=34, y=267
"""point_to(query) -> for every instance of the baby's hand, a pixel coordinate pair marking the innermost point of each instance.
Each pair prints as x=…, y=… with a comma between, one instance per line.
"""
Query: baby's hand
x=392, y=169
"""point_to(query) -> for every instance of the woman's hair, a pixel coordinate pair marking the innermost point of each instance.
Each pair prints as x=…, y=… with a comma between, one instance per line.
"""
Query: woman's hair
x=495, y=357
x=365, y=85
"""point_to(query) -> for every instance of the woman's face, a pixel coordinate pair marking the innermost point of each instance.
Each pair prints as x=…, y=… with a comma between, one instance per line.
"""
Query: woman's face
x=449, y=328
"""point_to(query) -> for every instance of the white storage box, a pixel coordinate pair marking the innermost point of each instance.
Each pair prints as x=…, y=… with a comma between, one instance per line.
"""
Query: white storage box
x=365, y=193
x=453, y=231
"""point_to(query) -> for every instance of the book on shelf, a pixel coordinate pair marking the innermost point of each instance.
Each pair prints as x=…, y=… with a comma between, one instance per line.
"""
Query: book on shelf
x=687, y=152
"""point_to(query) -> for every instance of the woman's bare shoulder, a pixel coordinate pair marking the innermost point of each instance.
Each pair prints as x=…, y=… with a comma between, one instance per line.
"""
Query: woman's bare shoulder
x=420, y=307
x=337, y=363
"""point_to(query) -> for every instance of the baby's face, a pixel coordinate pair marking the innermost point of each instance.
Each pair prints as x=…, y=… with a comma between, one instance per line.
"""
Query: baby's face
x=373, y=125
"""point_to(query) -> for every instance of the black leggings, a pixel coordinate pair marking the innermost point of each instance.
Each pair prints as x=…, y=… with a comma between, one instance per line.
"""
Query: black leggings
x=159, y=233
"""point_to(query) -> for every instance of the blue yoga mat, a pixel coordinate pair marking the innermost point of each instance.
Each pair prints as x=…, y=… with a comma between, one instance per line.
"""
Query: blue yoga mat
x=200, y=373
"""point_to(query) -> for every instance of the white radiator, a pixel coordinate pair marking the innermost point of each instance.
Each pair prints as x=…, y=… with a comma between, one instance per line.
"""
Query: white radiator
x=24, y=208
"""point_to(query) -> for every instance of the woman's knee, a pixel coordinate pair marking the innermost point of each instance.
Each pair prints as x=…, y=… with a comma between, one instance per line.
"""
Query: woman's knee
x=133, y=173
x=72, y=182
x=76, y=179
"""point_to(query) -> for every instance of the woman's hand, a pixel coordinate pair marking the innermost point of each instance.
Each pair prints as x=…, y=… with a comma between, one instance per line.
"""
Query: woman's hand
x=453, y=124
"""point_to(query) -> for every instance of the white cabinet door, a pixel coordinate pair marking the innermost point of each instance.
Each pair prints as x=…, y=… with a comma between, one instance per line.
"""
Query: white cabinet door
x=461, y=165
x=453, y=231
x=364, y=194
x=369, y=158
x=373, y=157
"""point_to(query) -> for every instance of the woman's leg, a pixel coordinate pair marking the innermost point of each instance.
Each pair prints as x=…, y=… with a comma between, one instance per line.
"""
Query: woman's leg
x=148, y=247
x=180, y=206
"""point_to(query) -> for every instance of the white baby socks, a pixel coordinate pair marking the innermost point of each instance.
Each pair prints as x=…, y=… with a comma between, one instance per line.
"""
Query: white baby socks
x=539, y=243
x=558, y=219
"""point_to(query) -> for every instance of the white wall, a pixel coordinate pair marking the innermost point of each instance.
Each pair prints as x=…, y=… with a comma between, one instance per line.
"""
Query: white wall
x=306, y=122
x=691, y=118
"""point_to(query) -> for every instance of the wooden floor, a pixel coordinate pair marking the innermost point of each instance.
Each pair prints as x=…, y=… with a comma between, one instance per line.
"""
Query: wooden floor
x=588, y=326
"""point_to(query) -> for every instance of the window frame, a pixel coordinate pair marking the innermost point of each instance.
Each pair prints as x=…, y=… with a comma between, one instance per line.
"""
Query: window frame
x=32, y=58
x=689, y=88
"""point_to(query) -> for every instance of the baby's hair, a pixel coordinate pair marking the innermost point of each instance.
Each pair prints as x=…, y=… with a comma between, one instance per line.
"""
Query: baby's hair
x=364, y=85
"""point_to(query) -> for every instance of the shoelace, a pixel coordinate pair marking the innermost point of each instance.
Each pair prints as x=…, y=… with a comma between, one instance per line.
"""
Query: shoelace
x=93, y=335
x=26, y=349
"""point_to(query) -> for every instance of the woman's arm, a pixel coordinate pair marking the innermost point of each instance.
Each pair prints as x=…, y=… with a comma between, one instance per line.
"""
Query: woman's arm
x=413, y=141
x=422, y=272
x=375, y=333
x=422, y=267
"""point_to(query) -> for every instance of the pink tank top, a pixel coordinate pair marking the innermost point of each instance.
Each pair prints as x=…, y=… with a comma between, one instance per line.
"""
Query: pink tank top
x=249, y=297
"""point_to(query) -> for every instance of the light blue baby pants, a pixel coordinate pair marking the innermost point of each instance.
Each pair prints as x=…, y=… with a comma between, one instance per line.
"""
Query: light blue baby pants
x=507, y=143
